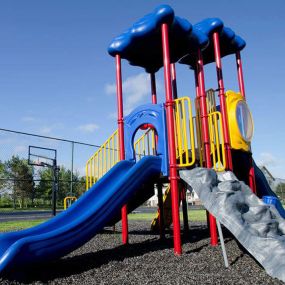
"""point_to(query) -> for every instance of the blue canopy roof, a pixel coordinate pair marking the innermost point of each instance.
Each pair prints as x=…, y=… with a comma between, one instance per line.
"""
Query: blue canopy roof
x=141, y=43
x=229, y=41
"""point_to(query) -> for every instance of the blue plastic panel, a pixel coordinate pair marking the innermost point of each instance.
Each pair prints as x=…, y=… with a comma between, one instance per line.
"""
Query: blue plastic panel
x=229, y=42
x=141, y=43
x=79, y=223
x=153, y=114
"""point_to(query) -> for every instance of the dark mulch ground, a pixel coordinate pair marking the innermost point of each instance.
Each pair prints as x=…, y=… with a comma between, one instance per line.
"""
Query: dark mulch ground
x=147, y=260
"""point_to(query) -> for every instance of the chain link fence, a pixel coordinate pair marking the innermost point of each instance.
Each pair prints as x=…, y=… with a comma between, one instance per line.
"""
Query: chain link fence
x=26, y=190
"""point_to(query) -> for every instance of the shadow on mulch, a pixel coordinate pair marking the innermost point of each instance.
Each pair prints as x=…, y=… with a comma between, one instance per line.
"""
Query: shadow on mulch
x=74, y=265
x=84, y=262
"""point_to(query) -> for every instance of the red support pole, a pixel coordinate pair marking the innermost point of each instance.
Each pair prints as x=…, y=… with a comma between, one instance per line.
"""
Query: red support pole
x=124, y=211
x=169, y=105
x=229, y=163
x=205, y=132
x=240, y=74
x=251, y=179
x=251, y=175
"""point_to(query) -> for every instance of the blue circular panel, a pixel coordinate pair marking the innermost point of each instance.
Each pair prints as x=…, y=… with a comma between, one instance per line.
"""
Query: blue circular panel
x=244, y=120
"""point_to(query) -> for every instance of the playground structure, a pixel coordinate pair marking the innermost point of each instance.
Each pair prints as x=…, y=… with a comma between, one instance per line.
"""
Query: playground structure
x=121, y=175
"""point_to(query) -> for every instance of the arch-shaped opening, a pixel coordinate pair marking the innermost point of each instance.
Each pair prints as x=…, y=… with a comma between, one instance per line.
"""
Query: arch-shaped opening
x=144, y=142
x=146, y=117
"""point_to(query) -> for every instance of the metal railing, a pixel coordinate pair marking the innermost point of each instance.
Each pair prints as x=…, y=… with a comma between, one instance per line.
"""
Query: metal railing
x=184, y=127
x=145, y=145
x=217, y=141
x=102, y=160
x=108, y=155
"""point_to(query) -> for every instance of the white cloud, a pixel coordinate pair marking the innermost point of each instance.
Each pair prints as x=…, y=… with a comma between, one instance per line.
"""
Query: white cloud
x=273, y=164
x=267, y=159
x=88, y=128
x=110, y=88
x=136, y=90
x=48, y=130
x=28, y=119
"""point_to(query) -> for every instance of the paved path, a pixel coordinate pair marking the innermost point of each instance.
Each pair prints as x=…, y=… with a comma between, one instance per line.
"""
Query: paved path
x=25, y=215
x=36, y=215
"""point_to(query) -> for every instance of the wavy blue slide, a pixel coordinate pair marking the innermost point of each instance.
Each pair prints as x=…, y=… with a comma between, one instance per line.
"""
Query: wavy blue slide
x=264, y=190
x=79, y=223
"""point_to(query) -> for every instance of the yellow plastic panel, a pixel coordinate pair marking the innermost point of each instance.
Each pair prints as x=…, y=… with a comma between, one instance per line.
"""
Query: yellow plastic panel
x=236, y=138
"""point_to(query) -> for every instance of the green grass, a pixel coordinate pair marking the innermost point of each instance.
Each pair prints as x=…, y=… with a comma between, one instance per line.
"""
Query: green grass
x=18, y=225
x=194, y=215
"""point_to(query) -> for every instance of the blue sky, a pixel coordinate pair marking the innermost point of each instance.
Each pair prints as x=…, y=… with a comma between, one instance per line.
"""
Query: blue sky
x=57, y=79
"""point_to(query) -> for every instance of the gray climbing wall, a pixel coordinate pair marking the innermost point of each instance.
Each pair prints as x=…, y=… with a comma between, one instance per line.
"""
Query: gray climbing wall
x=257, y=226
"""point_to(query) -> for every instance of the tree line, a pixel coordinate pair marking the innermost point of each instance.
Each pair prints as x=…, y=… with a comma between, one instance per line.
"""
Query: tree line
x=24, y=186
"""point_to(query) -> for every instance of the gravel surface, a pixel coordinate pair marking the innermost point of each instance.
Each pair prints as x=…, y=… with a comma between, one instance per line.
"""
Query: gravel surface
x=147, y=260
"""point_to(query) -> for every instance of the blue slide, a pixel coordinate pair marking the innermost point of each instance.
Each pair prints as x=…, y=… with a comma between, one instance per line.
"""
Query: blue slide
x=79, y=223
x=264, y=190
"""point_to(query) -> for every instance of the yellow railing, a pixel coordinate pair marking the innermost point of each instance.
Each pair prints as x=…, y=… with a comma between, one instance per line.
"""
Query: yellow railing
x=187, y=144
x=145, y=145
x=217, y=141
x=102, y=160
x=185, y=139
x=108, y=155
x=68, y=201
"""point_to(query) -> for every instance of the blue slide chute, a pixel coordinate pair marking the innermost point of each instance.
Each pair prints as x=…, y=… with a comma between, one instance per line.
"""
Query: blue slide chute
x=264, y=190
x=79, y=223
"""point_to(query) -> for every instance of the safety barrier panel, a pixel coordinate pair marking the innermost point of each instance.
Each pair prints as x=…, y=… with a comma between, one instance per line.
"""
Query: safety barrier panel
x=145, y=145
x=108, y=155
x=217, y=141
x=102, y=160
x=185, y=139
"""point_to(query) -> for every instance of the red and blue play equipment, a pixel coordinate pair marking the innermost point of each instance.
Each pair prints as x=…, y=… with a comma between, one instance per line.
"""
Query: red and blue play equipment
x=158, y=40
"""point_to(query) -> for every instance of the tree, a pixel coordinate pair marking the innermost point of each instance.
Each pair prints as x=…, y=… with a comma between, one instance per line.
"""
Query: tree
x=19, y=177
x=3, y=179
x=280, y=190
x=44, y=188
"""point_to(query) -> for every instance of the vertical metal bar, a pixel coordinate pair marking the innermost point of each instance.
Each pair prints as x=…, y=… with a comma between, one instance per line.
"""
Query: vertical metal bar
x=223, y=245
x=154, y=143
x=252, y=183
x=124, y=211
x=240, y=74
x=160, y=211
x=178, y=132
x=229, y=163
x=87, y=176
x=205, y=134
x=184, y=210
x=171, y=140
x=174, y=82
x=71, y=173
x=185, y=132
x=153, y=89
x=203, y=110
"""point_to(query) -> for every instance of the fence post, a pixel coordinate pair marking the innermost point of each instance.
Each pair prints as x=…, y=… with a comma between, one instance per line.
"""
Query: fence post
x=71, y=174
